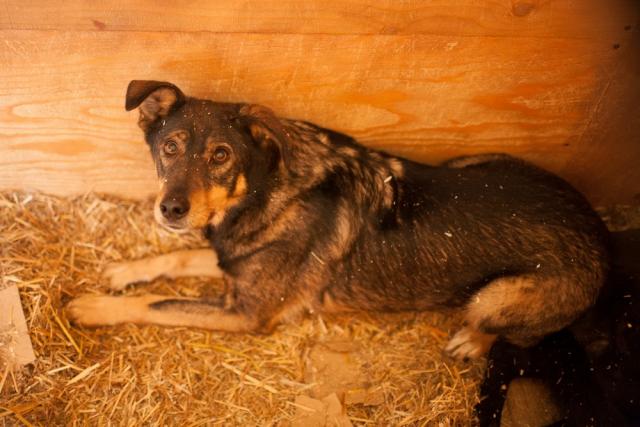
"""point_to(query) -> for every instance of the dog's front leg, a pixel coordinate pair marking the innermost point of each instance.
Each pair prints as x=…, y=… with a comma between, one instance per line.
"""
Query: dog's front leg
x=101, y=310
x=256, y=299
x=195, y=262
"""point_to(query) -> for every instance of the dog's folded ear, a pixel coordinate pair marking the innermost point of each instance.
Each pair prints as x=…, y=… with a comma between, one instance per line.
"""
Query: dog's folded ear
x=155, y=99
x=266, y=130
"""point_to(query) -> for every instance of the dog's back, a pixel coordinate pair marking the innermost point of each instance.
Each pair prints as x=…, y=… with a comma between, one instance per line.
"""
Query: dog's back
x=449, y=232
x=518, y=245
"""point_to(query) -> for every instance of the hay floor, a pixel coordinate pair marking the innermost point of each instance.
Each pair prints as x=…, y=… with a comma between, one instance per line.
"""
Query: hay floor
x=53, y=249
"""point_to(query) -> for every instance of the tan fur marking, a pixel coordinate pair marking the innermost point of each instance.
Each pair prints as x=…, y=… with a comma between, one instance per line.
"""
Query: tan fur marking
x=210, y=206
x=179, y=135
x=498, y=295
x=544, y=305
x=241, y=187
x=186, y=263
x=303, y=125
x=463, y=162
x=324, y=138
x=396, y=168
x=329, y=305
x=318, y=170
x=501, y=294
x=200, y=212
x=91, y=310
x=383, y=181
x=343, y=234
x=348, y=151
x=469, y=343
x=387, y=199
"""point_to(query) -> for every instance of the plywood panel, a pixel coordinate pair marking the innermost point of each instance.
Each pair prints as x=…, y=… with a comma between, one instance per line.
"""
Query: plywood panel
x=63, y=126
x=606, y=159
x=545, y=80
x=596, y=19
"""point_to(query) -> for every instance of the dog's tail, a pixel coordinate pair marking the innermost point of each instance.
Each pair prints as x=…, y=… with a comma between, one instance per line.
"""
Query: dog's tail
x=478, y=159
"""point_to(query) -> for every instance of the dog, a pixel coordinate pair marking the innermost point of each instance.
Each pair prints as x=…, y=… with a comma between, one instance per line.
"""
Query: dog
x=302, y=218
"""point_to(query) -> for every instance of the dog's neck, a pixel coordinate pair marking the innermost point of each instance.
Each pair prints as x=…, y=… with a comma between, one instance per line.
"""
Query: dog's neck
x=320, y=165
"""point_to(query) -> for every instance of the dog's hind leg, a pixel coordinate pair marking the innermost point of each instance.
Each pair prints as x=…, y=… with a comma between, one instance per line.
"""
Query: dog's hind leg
x=521, y=309
x=102, y=310
x=195, y=262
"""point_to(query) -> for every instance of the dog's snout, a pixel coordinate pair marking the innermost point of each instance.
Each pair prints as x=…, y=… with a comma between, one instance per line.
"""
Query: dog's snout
x=174, y=208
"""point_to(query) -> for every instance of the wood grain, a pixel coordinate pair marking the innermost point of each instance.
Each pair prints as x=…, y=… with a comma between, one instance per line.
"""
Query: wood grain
x=606, y=158
x=595, y=19
x=63, y=128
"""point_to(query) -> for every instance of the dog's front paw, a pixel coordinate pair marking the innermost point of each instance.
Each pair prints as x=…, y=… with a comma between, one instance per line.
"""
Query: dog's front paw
x=96, y=310
x=121, y=274
x=469, y=343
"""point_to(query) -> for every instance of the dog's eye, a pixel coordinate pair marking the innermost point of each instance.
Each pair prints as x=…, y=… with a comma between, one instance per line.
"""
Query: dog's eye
x=170, y=148
x=220, y=155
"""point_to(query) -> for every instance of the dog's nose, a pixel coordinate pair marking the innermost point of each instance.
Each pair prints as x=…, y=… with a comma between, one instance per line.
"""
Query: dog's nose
x=174, y=208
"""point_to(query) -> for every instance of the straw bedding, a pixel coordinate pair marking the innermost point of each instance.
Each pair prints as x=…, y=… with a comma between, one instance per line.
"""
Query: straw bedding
x=54, y=249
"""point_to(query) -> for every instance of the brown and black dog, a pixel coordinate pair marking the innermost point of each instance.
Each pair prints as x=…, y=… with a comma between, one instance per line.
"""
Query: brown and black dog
x=303, y=218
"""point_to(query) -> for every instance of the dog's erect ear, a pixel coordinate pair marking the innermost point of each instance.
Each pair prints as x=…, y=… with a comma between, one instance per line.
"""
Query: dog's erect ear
x=267, y=130
x=155, y=99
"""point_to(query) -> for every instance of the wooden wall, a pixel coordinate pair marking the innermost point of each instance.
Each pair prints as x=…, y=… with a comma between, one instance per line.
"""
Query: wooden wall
x=554, y=81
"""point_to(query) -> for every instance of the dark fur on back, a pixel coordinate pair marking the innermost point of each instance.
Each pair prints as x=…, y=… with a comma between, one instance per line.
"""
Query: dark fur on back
x=391, y=234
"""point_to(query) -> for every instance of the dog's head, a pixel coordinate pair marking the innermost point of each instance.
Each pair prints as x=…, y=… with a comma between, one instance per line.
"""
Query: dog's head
x=208, y=155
